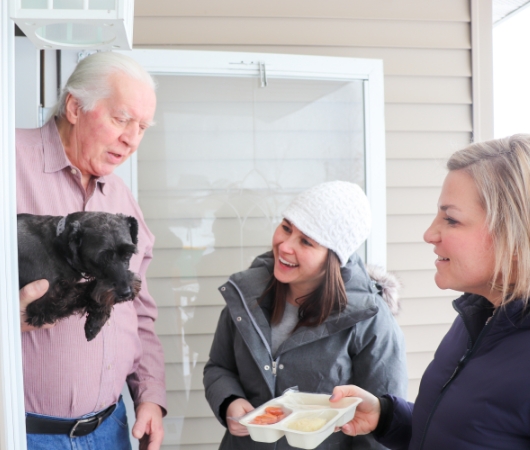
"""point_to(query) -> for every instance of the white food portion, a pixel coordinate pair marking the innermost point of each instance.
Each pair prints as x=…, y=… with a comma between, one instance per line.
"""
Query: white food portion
x=307, y=424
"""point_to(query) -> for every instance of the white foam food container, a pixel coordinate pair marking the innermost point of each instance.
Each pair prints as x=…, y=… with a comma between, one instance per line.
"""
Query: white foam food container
x=301, y=405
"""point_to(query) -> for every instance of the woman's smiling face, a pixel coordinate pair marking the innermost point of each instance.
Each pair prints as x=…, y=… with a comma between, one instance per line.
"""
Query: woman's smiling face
x=459, y=233
x=298, y=260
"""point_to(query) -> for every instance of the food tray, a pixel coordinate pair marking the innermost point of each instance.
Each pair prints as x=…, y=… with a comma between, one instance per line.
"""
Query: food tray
x=299, y=405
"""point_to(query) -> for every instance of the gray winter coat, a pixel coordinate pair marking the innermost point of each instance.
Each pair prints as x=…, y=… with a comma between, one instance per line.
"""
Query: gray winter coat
x=363, y=345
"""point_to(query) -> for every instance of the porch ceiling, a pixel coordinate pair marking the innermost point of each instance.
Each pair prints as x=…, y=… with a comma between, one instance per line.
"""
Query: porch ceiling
x=503, y=8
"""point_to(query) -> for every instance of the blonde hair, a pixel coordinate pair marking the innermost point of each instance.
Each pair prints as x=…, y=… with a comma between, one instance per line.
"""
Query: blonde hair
x=500, y=169
x=89, y=82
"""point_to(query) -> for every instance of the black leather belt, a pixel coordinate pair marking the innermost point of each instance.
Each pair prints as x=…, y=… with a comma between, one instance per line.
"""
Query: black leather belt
x=73, y=428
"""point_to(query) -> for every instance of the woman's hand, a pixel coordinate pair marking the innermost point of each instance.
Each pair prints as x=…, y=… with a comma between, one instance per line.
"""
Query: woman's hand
x=367, y=413
x=239, y=407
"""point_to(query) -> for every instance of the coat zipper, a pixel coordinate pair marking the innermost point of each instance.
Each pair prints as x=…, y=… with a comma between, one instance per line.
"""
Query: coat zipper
x=467, y=355
x=274, y=362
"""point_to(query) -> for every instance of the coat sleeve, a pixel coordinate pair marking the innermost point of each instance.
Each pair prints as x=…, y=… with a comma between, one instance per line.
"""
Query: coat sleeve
x=221, y=379
x=398, y=435
x=378, y=355
x=378, y=358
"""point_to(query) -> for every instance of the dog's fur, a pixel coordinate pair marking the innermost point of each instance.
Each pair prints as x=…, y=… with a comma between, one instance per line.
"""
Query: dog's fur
x=85, y=257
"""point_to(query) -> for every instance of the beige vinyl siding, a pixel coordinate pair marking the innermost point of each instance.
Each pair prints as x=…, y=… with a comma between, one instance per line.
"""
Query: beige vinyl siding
x=303, y=32
x=405, y=146
x=357, y=9
x=427, y=90
x=426, y=51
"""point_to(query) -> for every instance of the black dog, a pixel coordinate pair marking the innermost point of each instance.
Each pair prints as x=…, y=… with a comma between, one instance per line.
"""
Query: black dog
x=85, y=257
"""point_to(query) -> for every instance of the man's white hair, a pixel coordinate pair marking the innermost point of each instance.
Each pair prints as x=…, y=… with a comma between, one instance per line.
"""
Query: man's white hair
x=89, y=82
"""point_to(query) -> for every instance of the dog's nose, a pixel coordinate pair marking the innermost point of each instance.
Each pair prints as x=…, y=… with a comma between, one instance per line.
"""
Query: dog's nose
x=126, y=293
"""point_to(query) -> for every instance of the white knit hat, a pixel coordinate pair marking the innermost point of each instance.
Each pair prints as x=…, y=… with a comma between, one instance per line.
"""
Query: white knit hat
x=336, y=214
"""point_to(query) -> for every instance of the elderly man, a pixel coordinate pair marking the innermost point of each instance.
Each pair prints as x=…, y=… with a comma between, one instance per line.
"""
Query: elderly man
x=72, y=387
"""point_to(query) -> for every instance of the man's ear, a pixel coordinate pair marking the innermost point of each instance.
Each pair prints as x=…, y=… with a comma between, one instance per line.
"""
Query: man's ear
x=72, y=109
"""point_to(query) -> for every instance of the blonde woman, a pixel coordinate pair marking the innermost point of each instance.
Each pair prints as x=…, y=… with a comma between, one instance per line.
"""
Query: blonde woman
x=475, y=393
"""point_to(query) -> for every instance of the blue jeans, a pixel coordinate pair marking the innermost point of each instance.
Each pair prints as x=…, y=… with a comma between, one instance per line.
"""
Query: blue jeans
x=112, y=434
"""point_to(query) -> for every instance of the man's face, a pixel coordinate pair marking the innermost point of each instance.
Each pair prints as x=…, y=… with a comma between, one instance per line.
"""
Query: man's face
x=106, y=136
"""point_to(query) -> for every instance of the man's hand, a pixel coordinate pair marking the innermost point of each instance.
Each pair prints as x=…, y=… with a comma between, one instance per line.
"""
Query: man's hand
x=239, y=407
x=367, y=412
x=148, y=427
x=28, y=294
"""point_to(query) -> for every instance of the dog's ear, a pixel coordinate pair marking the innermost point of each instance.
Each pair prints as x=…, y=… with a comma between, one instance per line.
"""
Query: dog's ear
x=75, y=237
x=133, y=228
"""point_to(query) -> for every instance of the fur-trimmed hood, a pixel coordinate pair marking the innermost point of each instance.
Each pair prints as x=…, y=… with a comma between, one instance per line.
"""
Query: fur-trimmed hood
x=388, y=285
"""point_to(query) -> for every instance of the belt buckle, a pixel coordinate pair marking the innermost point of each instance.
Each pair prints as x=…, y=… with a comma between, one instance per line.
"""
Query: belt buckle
x=81, y=421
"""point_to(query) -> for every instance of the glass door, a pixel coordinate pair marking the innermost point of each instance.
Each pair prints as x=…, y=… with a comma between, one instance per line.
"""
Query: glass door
x=231, y=147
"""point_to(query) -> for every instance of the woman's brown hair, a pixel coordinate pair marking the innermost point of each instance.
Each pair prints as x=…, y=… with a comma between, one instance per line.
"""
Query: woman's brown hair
x=317, y=306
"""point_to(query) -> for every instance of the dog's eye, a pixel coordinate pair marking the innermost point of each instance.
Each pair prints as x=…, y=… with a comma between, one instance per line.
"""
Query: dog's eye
x=124, y=255
x=126, y=252
x=106, y=257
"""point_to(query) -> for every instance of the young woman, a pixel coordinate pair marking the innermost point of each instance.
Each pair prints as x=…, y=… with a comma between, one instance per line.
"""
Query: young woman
x=306, y=314
x=474, y=394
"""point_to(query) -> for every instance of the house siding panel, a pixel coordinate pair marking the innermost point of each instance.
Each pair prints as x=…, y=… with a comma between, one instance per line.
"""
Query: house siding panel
x=442, y=10
x=427, y=172
x=407, y=228
x=303, y=32
x=422, y=145
x=432, y=90
x=422, y=117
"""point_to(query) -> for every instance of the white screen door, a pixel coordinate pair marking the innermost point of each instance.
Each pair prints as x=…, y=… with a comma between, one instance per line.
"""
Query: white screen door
x=237, y=136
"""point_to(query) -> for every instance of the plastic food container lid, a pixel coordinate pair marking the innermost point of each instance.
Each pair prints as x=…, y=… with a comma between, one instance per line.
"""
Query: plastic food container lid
x=307, y=419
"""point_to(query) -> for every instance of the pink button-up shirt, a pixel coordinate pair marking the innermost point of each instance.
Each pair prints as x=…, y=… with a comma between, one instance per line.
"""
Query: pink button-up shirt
x=64, y=375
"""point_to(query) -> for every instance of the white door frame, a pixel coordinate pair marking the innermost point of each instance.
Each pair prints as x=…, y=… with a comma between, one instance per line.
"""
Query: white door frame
x=12, y=419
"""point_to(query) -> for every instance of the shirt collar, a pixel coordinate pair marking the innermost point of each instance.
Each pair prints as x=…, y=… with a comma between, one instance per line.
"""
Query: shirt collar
x=55, y=158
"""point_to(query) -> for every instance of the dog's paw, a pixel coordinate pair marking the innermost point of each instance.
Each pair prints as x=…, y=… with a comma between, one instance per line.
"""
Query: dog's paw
x=92, y=329
x=91, y=333
x=35, y=321
x=36, y=316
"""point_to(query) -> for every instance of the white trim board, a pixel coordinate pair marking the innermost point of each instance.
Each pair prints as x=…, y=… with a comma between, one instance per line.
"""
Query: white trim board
x=12, y=425
x=482, y=69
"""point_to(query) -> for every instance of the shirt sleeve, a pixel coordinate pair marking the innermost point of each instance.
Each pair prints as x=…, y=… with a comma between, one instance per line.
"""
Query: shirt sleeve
x=147, y=383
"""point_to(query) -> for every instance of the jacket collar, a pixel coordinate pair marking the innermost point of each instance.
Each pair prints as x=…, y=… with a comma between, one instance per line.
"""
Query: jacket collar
x=475, y=311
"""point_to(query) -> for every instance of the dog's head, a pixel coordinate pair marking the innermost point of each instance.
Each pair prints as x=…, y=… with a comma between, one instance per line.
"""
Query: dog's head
x=100, y=245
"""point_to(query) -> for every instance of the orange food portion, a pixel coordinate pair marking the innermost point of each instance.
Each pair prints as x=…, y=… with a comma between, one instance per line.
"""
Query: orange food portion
x=273, y=414
x=274, y=410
